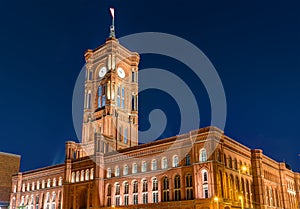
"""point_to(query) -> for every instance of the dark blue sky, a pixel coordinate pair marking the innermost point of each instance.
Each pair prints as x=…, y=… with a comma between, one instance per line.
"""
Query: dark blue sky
x=254, y=46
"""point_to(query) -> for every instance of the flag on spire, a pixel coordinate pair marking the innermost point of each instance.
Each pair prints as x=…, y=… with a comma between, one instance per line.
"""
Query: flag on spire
x=112, y=11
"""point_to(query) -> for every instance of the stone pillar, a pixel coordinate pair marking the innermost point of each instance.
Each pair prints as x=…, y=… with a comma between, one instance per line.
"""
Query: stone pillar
x=258, y=179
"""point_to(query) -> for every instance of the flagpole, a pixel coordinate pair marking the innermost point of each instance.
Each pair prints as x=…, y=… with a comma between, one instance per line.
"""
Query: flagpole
x=112, y=27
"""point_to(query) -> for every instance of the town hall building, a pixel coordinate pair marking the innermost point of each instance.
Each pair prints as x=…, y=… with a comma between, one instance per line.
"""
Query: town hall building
x=202, y=169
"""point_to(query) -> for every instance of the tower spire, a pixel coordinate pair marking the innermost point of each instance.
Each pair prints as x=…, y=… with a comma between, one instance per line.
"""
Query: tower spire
x=112, y=27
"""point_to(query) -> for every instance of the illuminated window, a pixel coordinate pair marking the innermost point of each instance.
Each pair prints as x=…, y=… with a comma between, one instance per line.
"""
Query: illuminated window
x=125, y=135
x=154, y=165
x=134, y=168
x=175, y=161
x=108, y=175
x=117, y=171
x=164, y=163
x=144, y=166
x=125, y=170
x=203, y=156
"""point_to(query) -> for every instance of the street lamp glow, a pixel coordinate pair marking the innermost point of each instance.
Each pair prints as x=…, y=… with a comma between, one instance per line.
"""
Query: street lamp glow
x=244, y=168
x=216, y=199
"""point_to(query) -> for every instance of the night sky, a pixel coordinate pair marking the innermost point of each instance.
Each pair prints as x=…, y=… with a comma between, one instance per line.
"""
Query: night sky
x=254, y=46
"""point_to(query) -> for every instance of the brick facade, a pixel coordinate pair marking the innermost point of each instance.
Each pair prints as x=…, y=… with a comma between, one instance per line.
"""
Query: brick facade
x=200, y=169
x=9, y=165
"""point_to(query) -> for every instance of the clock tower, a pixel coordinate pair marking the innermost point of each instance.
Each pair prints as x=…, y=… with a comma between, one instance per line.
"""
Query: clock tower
x=111, y=96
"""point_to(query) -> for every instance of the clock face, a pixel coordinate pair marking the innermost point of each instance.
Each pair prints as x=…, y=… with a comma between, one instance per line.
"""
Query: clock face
x=121, y=72
x=102, y=72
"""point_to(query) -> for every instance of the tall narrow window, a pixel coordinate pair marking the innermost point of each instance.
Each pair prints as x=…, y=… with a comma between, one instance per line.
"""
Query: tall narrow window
x=88, y=102
x=125, y=135
x=175, y=161
x=108, y=195
x=123, y=97
x=118, y=97
x=87, y=174
x=135, y=192
x=117, y=171
x=134, y=168
x=108, y=174
x=145, y=191
x=203, y=156
x=99, y=96
x=154, y=190
x=188, y=159
x=165, y=189
x=154, y=165
x=82, y=176
x=90, y=75
x=205, y=191
x=204, y=176
x=117, y=194
x=125, y=170
x=126, y=192
x=164, y=163
x=144, y=166
x=189, y=186
x=177, y=186
x=132, y=76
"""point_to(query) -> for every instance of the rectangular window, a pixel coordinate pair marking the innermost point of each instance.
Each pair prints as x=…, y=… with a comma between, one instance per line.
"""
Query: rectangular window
x=103, y=100
x=117, y=200
x=126, y=200
x=118, y=97
x=123, y=97
x=89, y=98
x=132, y=77
x=145, y=198
x=155, y=197
x=135, y=199
x=125, y=135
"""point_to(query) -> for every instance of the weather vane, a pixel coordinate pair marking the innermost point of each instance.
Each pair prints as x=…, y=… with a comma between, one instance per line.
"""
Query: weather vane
x=112, y=27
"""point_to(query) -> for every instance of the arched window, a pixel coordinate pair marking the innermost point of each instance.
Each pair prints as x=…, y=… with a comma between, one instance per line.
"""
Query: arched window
x=43, y=185
x=87, y=174
x=28, y=187
x=177, y=186
x=154, y=165
x=38, y=185
x=203, y=156
x=32, y=186
x=165, y=189
x=189, y=186
x=92, y=174
x=54, y=182
x=230, y=162
x=145, y=185
x=49, y=183
x=125, y=170
x=218, y=157
x=164, y=163
x=175, y=161
x=77, y=176
x=126, y=192
x=117, y=194
x=108, y=174
x=144, y=166
x=205, y=184
x=117, y=171
x=188, y=159
x=204, y=176
x=108, y=195
x=135, y=192
x=73, y=177
x=60, y=181
x=145, y=191
x=134, y=168
x=235, y=164
x=154, y=190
